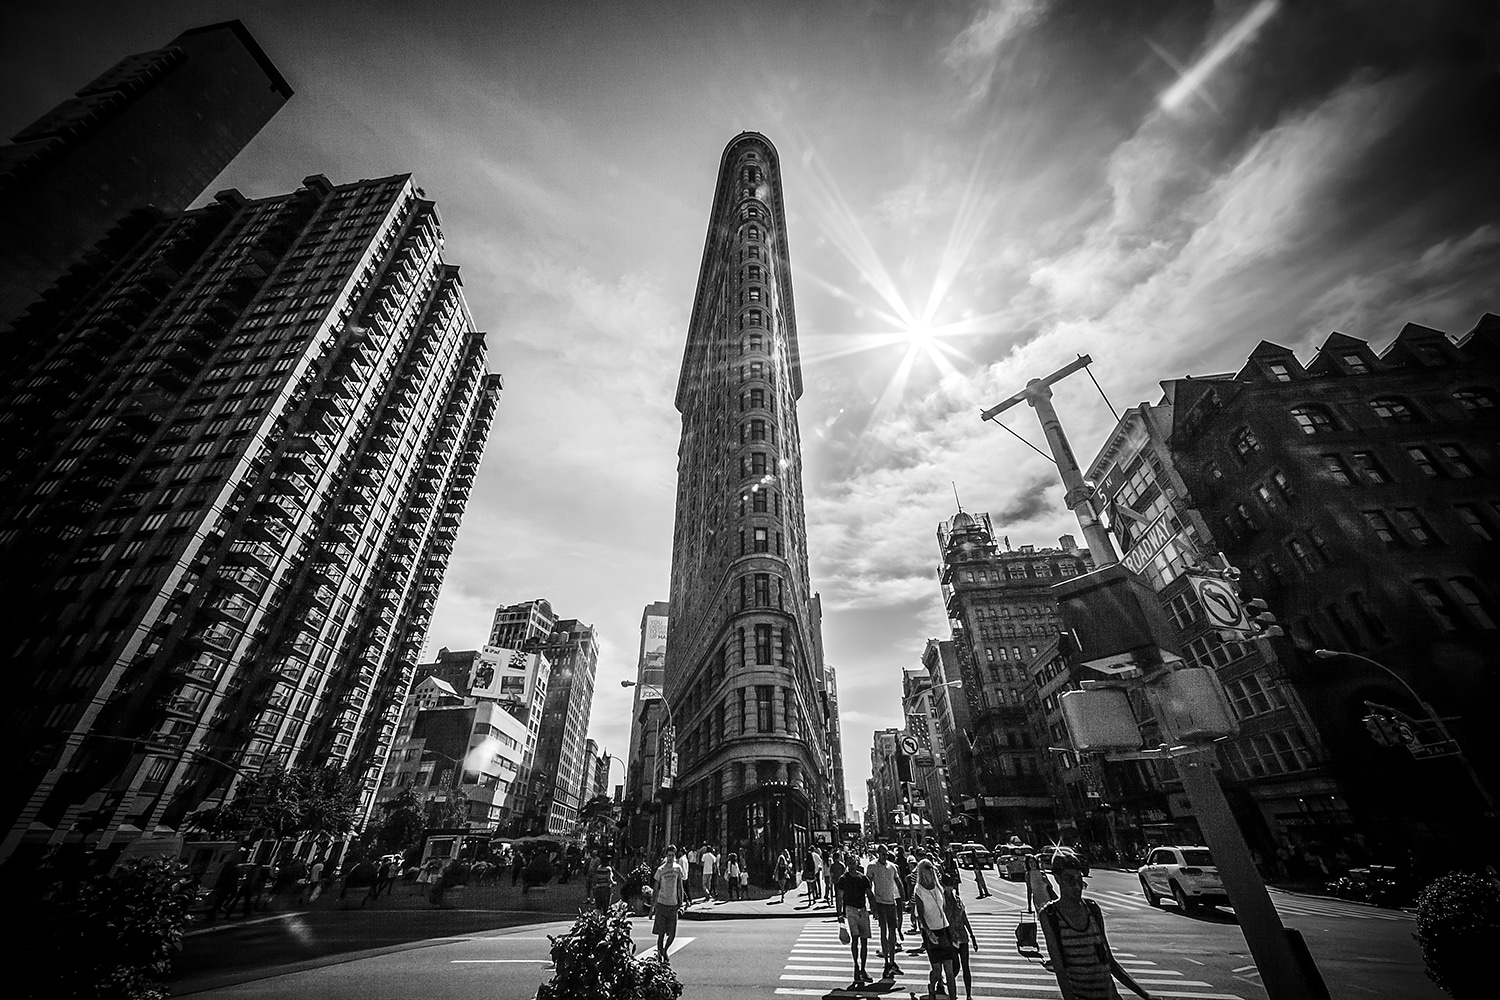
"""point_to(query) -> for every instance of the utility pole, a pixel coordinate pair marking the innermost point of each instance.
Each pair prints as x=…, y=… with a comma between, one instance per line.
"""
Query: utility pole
x=1121, y=630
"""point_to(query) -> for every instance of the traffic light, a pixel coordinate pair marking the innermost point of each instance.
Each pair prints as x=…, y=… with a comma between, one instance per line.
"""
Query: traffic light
x=1261, y=620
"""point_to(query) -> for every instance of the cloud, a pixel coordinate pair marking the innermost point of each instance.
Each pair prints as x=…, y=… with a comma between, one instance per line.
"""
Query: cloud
x=974, y=55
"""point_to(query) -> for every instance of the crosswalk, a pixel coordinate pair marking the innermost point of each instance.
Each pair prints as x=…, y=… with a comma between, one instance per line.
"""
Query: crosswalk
x=819, y=966
x=1287, y=904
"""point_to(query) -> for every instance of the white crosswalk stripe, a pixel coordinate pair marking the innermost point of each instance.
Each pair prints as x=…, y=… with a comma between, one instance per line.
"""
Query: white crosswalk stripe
x=818, y=963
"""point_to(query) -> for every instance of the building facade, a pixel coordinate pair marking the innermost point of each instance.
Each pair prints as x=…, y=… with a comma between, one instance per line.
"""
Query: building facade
x=1358, y=496
x=1002, y=612
x=643, y=775
x=239, y=467
x=1273, y=768
x=950, y=720
x=151, y=132
x=744, y=677
x=839, y=810
x=572, y=649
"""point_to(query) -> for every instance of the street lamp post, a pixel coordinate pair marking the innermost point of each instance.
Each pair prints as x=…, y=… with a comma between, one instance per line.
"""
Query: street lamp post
x=671, y=771
x=1437, y=721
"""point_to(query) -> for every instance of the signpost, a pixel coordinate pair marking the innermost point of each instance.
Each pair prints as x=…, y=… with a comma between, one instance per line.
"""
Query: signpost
x=1221, y=605
x=909, y=746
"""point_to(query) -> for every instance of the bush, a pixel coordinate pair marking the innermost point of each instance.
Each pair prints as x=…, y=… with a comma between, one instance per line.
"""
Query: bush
x=1458, y=927
x=597, y=959
x=116, y=933
x=457, y=873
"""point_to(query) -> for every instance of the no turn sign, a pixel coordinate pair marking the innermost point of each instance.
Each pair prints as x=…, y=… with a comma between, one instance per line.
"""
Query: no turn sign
x=909, y=746
x=1221, y=605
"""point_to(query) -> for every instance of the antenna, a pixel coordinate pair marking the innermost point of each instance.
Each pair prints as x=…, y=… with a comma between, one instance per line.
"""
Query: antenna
x=955, y=496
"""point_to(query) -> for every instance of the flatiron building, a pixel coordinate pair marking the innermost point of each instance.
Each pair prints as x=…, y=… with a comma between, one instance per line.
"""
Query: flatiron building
x=744, y=675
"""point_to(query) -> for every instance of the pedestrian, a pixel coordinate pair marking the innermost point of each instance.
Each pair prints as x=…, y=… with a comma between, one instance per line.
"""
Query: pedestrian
x=783, y=873
x=732, y=875
x=667, y=896
x=1076, y=941
x=315, y=881
x=835, y=873
x=853, y=890
x=966, y=939
x=517, y=862
x=952, y=878
x=979, y=885
x=226, y=887
x=710, y=872
x=694, y=871
x=601, y=879
x=809, y=875
x=1038, y=888
x=935, y=908
x=883, y=877
x=384, y=877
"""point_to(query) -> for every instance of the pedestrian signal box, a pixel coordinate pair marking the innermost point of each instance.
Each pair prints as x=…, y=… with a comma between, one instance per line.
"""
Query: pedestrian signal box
x=1100, y=719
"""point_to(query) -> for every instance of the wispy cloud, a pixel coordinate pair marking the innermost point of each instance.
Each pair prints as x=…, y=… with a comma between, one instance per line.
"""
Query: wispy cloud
x=976, y=52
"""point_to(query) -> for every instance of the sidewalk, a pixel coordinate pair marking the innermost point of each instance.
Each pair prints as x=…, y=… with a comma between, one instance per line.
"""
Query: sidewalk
x=765, y=906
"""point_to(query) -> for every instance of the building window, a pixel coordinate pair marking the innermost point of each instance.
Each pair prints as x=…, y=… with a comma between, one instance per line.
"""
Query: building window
x=1370, y=467
x=1384, y=530
x=1475, y=401
x=1438, y=603
x=1313, y=420
x=763, y=592
x=1344, y=627
x=1395, y=411
x=1422, y=460
x=1183, y=608
x=1279, y=371
x=765, y=714
x=1469, y=515
x=1473, y=601
x=1283, y=486
x=1245, y=444
x=1306, y=558
x=762, y=540
x=1417, y=527
x=757, y=430
x=1459, y=463
x=758, y=463
x=1368, y=617
x=1250, y=697
x=1246, y=518
x=1337, y=470
x=1356, y=364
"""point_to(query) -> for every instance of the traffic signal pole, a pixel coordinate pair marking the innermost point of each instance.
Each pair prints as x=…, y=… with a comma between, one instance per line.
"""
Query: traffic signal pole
x=1286, y=969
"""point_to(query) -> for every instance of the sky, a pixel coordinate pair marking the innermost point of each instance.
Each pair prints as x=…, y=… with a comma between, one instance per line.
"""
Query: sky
x=977, y=191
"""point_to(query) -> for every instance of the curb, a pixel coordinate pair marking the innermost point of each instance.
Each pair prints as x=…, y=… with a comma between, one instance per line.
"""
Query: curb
x=777, y=912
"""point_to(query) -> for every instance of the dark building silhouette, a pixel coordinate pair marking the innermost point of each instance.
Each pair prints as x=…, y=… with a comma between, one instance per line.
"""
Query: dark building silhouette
x=744, y=674
x=1359, y=496
x=236, y=469
x=153, y=131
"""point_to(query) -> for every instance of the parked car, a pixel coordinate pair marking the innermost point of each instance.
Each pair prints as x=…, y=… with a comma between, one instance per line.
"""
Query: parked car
x=970, y=854
x=1187, y=874
x=1012, y=859
x=1047, y=855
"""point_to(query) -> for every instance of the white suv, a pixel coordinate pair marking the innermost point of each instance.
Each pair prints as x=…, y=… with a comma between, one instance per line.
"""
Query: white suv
x=1187, y=874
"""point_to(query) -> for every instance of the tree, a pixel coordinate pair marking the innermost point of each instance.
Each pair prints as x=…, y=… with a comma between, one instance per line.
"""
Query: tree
x=402, y=824
x=598, y=818
x=446, y=813
x=283, y=803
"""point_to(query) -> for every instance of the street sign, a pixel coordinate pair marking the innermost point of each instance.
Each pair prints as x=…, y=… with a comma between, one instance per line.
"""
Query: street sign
x=909, y=746
x=1221, y=605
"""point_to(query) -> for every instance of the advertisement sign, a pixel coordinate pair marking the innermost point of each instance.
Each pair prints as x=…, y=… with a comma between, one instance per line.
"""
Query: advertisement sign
x=653, y=658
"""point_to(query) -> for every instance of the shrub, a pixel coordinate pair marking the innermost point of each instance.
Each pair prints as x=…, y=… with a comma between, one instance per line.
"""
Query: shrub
x=457, y=873
x=636, y=881
x=1458, y=927
x=116, y=933
x=597, y=959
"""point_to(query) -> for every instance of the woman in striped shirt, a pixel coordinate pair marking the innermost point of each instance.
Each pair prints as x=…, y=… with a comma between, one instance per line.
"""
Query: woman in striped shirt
x=1074, y=927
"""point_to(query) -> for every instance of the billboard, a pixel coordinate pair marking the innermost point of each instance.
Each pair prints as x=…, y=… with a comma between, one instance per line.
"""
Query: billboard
x=653, y=658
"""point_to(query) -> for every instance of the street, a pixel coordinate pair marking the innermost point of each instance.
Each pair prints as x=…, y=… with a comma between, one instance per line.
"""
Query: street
x=1363, y=952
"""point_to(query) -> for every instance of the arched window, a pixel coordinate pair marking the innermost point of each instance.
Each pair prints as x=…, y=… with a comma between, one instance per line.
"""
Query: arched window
x=1475, y=401
x=1473, y=601
x=1313, y=419
x=1393, y=410
x=753, y=232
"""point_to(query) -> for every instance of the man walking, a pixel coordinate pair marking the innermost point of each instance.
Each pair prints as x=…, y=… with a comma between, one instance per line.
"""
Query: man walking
x=853, y=887
x=710, y=872
x=693, y=873
x=883, y=875
x=670, y=880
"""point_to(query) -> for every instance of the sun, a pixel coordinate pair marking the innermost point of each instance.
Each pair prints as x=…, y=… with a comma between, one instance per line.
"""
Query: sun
x=920, y=333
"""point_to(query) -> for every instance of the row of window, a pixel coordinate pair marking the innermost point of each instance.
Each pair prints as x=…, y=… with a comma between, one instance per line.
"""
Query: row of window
x=1314, y=418
x=1442, y=461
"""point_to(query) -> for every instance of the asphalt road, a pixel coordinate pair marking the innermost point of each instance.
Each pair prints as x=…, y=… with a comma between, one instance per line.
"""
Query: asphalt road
x=1363, y=953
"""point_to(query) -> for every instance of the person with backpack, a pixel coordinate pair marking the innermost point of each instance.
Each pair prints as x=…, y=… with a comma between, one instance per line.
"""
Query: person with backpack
x=1082, y=961
x=936, y=910
x=836, y=869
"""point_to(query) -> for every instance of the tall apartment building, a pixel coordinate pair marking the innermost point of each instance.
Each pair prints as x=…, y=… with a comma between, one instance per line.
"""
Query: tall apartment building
x=1358, y=495
x=1001, y=611
x=887, y=795
x=153, y=131
x=919, y=707
x=839, y=809
x=744, y=678
x=239, y=465
x=950, y=717
x=1273, y=769
x=643, y=780
x=572, y=649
